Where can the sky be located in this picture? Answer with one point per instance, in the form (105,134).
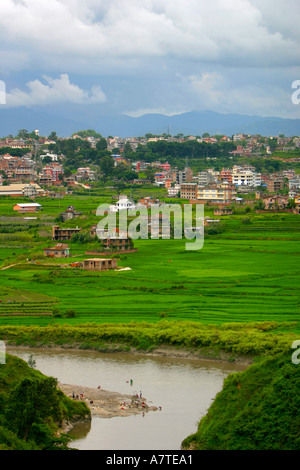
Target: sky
(151,56)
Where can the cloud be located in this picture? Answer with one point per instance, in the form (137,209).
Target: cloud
(232,32)
(218,92)
(161,110)
(153,55)
(54,91)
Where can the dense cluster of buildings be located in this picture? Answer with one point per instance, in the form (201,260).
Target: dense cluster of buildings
(223,186)
(16,169)
(24,177)
(246,144)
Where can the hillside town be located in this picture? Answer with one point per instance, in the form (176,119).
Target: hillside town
(30,166)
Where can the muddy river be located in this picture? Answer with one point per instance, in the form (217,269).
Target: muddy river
(181,389)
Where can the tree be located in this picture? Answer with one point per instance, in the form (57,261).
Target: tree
(101,144)
(88,133)
(47,159)
(31,402)
(53,147)
(53,136)
(31,361)
(33,136)
(150,172)
(106,165)
(127,150)
(67,172)
(272,143)
(23,134)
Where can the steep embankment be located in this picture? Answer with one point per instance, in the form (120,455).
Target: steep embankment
(257,410)
(33,411)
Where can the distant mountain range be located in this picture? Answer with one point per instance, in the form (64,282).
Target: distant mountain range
(69,121)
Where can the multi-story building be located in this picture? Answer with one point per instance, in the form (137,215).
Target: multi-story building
(184,176)
(173,191)
(275,184)
(50,173)
(297,204)
(189,191)
(294,183)
(148,202)
(275,202)
(22,190)
(116,244)
(225,175)
(222,193)
(85,174)
(205,178)
(58,251)
(63,233)
(245,177)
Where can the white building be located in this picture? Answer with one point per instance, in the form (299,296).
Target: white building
(295,183)
(123,204)
(242,177)
(174,190)
(53,156)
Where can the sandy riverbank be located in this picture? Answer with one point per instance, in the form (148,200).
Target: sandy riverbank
(107,404)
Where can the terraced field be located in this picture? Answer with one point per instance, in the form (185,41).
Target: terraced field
(250,272)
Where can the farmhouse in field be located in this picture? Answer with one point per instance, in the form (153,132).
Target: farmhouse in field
(113,241)
(148,202)
(99,264)
(27,207)
(223,211)
(116,244)
(58,251)
(70,213)
(63,233)
(123,204)
(208,221)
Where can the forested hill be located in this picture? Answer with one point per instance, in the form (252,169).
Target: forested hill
(257,410)
(33,409)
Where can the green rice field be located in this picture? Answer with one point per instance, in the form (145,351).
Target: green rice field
(248,273)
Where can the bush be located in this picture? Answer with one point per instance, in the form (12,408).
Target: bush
(246,221)
(71,313)
(56,313)
(214,229)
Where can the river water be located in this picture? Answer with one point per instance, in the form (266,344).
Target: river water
(183,388)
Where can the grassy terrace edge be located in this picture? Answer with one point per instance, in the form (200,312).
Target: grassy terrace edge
(232,339)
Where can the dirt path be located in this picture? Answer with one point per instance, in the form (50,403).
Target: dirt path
(105,403)
(6,267)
